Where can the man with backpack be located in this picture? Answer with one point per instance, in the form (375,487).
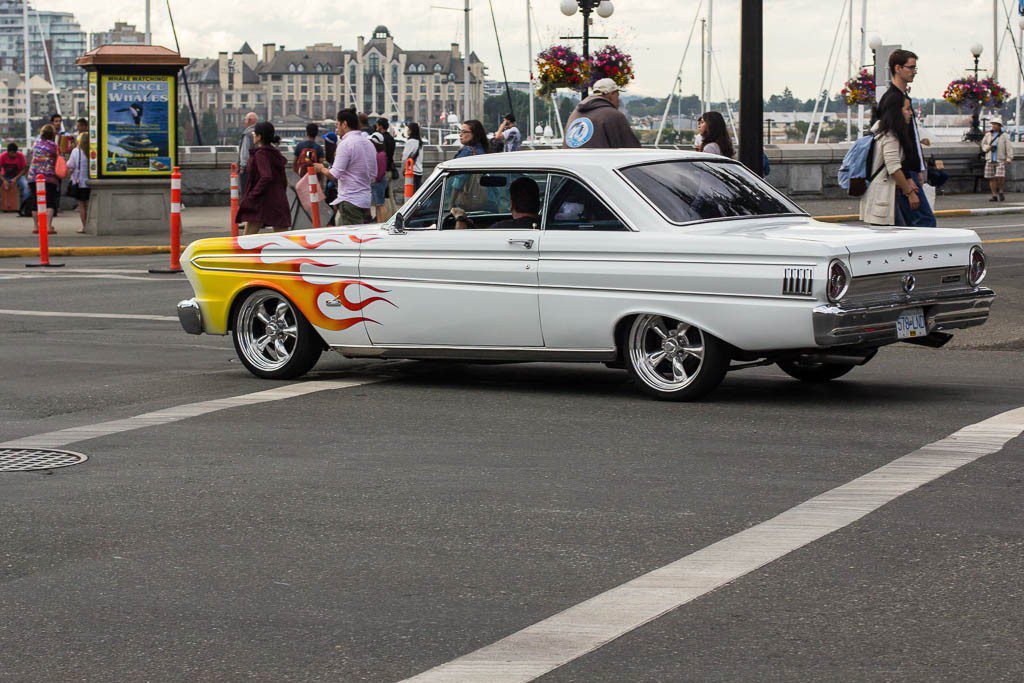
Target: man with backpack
(308,152)
(902,72)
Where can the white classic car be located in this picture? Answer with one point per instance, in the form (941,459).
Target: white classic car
(676,266)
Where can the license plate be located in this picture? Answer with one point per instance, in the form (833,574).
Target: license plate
(911,324)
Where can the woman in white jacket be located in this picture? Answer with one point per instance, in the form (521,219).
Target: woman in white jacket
(893,135)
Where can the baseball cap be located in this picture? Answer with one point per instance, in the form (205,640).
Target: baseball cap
(606,86)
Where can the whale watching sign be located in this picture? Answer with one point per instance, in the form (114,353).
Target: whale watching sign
(139,124)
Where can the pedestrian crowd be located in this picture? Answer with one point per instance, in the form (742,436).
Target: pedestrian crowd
(57,155)
(355,165)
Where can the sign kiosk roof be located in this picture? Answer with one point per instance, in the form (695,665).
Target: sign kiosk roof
(133,56)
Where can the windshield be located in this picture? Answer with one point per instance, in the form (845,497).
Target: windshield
(688,191)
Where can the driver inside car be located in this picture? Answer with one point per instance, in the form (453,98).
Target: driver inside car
(524,200)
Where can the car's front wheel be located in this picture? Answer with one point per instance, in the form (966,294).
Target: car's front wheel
(272,337)
(672,360)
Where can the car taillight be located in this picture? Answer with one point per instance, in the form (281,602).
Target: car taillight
(978,266)
(838,281)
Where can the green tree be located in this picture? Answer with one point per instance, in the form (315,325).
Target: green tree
(208,128)
(497,106)
(186,133)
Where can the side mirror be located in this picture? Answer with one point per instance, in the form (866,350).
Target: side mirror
(398,225)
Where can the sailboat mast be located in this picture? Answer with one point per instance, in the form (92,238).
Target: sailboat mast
(28,74)
(466,114)
(529,56)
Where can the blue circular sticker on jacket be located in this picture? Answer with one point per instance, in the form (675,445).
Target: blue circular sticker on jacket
(579,132)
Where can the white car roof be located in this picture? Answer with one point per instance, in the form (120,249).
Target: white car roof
(574,159)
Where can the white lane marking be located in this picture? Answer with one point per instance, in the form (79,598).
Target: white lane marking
(79,314)
(72,276)
(105,271)
(557,640)
(72,435)
(991,227)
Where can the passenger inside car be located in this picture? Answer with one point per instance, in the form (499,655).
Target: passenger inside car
(523,199)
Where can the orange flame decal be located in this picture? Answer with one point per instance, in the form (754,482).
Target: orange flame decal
(323,303)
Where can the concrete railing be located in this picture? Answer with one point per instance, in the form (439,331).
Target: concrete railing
(808,171)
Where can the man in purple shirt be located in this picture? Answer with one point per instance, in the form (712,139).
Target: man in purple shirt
(355,168)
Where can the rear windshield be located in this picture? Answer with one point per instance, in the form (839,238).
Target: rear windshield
(687,191)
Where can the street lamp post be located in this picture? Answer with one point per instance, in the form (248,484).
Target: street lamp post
(752,85)
(1020,58)
(604,9)
(975,134)
(875,44)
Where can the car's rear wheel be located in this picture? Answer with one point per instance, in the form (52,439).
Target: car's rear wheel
(272,337)
(808,371)
(672,360)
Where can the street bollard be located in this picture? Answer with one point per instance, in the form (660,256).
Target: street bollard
(314,198)
(43,224)
(234,200)
(410,189)
(175,225)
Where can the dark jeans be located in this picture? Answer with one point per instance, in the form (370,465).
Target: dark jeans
(353,215)
(921,217)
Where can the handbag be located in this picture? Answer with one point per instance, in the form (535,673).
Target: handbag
(472,196)
(72,190)
(60,168)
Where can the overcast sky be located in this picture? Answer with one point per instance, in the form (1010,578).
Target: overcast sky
(798,34)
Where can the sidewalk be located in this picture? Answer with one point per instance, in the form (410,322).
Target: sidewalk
(196,223)
(851,205)
(212,221)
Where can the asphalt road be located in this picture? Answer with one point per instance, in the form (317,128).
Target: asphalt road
(376,531)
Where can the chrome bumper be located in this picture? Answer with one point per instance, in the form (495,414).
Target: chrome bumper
(836,324)
(190,316)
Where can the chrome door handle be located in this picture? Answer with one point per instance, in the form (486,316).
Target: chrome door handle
(525,244)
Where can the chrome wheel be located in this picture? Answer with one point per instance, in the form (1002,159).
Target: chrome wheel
(667,355)
(266,330)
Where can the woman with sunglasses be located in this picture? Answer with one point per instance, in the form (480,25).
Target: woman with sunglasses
(467,194)
(473,138)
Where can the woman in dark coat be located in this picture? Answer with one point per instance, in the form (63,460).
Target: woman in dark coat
(265,202)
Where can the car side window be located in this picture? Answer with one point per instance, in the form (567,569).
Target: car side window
(424,216)
(572,206)
(489,200)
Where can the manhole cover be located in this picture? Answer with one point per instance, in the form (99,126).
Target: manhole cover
(27,459)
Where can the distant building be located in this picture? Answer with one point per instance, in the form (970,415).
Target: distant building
(293,87)
(58,33)
(12,103)
(123,33)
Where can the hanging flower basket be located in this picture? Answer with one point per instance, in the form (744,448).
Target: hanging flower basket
(610,62)
(860,89)
(560,67)
(970,91)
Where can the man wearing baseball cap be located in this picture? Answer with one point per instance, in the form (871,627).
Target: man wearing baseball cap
(597,123)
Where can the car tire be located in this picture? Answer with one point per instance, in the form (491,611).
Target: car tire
(272,338)
(672,360)
(814,372)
